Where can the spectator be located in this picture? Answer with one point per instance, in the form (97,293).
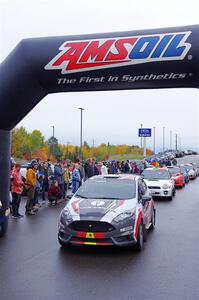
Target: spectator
(54,193)
(16,189)
(89,169)
(66,180)
(31,181)
(59,177)
(75,178)
(45,185)
(104,170)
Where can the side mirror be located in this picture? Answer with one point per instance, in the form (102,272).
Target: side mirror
(145,199)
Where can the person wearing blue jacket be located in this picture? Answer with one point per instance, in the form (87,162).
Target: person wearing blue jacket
(59,177)
(76,179)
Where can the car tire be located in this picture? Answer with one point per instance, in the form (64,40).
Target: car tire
(153,220)
(140,241)
(64,245)
(170,198)
(3,227)
(174,193)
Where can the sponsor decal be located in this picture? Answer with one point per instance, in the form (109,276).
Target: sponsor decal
(86,55)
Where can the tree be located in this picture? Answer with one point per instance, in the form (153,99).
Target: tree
(20,143)
(36,140)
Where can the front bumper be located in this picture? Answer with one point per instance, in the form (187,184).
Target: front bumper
(163,193)
(113,238)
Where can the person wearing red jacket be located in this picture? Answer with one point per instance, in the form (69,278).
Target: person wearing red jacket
(16,189)
(54,193)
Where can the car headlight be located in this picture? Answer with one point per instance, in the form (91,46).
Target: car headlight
(166,186)
(124,215)
(0,204)
(66,215)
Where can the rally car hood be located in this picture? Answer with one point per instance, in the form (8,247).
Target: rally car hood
(98,209)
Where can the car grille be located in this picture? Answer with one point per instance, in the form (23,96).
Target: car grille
(75,239)
(93,226)
(154,187)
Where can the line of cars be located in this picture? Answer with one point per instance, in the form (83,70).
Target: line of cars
(118,210)
(163,182)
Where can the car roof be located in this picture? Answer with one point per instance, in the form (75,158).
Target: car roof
(157,169)
(118,177)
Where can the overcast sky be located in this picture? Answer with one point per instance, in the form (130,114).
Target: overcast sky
(112,116)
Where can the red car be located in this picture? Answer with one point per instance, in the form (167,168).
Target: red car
(178,177)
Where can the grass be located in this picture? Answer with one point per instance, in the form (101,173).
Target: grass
(129,156)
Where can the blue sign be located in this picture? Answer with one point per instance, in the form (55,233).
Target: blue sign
(144,132)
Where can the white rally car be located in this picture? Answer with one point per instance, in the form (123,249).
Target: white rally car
(159,182)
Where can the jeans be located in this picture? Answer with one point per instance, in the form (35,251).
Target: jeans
(62,190)
(16,199)
(65,189)
(75,186)
(30,198)
(44,190)
(36,197)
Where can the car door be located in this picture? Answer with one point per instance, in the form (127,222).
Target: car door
(147,207)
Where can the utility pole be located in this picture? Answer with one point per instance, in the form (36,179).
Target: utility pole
(53,145)
(170,139)
(154,139)
(81,116)
(141,125)
(176,142)
(179,142)
(163,142)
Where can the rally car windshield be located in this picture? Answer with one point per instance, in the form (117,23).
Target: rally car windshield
(174,170)
(156,174)
(108,189)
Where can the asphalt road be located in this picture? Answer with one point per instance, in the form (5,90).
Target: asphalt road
(33,266)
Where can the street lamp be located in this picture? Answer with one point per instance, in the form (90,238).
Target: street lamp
(163,142)
(141,125)
(53,127)
(81,113)
(170,139)
(154,139)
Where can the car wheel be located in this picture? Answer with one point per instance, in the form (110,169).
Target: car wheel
(153,219)
(3,227)
(64,245)
(140,240)
(170,198)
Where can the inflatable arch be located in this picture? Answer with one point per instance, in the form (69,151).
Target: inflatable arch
(158,58)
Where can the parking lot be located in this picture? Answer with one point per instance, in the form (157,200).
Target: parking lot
(33,266)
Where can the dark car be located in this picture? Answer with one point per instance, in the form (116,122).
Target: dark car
(112,210)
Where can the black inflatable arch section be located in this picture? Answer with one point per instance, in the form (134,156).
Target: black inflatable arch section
(158,58)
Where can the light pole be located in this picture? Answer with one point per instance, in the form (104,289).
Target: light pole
(53,127)
(154,139)
(81,115)
(176,142)
(170,139)
(163,142)
(141,125)
(179,142)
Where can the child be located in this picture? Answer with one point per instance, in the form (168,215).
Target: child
(54,193)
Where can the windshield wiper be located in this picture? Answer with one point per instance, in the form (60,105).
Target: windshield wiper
(106,198)
(80,196)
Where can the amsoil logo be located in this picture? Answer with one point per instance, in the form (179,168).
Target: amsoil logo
(86,55)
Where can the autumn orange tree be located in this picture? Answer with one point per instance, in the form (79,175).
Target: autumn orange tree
(29,145)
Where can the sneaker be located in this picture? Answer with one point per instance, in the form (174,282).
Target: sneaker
(15,217)
(20,216)
(43,202)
